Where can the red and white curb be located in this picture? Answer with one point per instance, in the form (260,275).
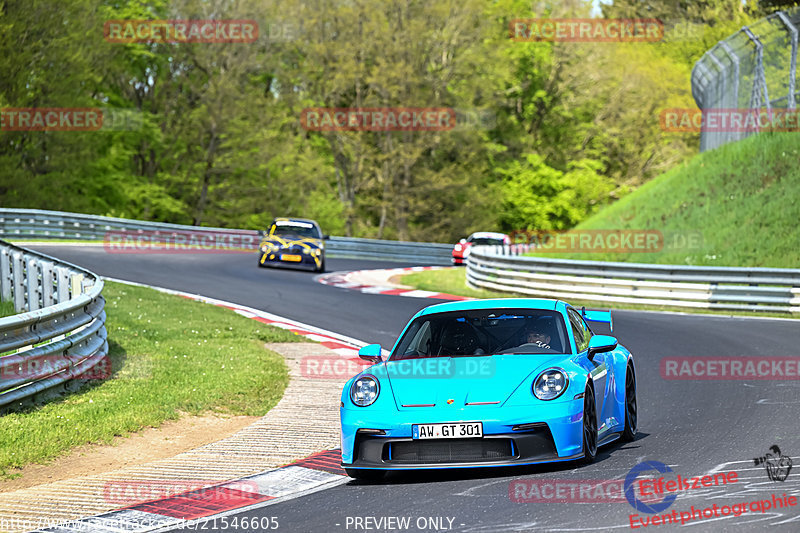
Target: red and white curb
(359,280)
(341,344)
(317,472)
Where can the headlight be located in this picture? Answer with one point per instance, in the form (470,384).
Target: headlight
(316,251)
(458,247)
(364,391)
(550,384)
(306,251)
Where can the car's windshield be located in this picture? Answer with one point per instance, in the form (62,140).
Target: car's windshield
(297,229)
(483,332)
(486,241)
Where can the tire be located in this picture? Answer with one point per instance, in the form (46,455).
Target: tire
(631,407)
(364,475)
(321,266)
(589,431)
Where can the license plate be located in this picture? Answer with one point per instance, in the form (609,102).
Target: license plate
(453,430)
(290,257)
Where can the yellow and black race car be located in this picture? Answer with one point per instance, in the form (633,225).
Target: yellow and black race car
(293,241)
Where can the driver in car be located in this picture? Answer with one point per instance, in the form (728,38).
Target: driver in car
(534,336)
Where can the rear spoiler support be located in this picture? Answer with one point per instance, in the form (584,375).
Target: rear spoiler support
(598,316)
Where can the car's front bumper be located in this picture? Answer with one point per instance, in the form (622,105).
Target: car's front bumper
(552,432)
(275,257)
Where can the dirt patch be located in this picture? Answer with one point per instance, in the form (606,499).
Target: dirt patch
(397,281)
(171,438)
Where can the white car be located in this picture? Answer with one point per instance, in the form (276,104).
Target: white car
(479,238)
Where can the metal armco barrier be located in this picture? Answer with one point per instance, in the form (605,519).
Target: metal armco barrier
(497,268)
(38,224)
(746,289)
(59,334)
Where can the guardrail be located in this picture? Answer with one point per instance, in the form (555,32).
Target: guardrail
(41,224)
(59,334)
(745,289)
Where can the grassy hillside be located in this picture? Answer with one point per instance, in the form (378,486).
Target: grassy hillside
(742,199)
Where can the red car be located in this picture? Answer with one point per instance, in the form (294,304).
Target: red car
(479,238)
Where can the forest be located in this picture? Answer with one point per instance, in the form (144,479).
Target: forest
(540,134)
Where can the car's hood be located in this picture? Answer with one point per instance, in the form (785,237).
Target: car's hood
(480,380)
(287,241)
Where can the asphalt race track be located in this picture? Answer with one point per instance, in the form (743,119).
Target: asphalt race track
(693,426)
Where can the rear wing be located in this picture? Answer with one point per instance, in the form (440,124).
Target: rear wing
(598,316)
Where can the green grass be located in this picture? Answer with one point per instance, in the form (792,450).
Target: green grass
(6,309)
(170,356)
(447,280)
(744,198)
(454,281)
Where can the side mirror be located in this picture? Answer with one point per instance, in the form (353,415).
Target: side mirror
(601,344)
(326,237)
(371,353)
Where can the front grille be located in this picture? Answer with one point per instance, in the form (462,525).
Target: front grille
(448,451)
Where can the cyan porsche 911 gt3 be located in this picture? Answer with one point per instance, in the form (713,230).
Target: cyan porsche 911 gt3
(293,241)
(489,383)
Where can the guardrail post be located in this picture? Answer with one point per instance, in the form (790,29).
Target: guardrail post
(5,275)
(62,283)
(33,273)
(76,282)
(18,281)
(48,297)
